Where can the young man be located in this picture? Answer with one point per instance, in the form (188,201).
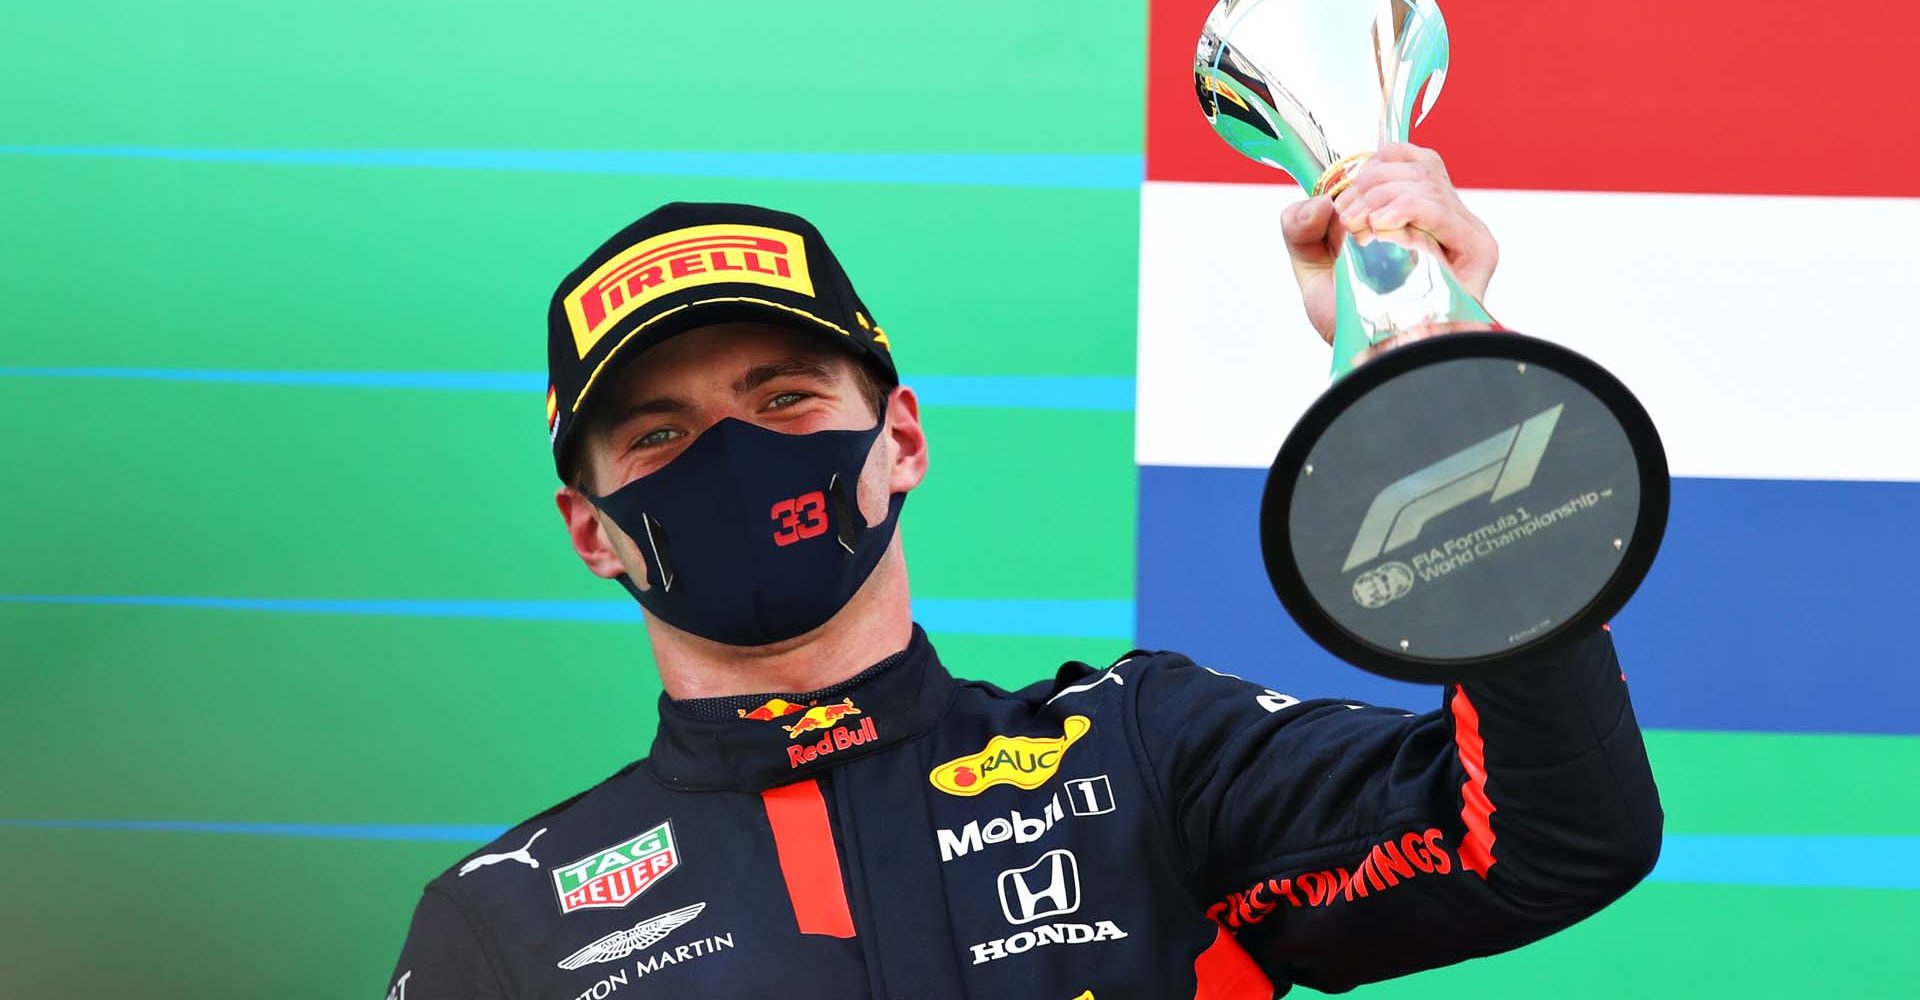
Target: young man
(826,813)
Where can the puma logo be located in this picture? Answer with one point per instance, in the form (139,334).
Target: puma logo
(520,855)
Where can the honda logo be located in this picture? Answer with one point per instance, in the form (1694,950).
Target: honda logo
(1047,888)
(1502,465)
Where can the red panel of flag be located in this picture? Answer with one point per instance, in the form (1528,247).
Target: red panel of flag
(1749,97)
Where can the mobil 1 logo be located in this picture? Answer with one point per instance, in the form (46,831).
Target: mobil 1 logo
(1078,797)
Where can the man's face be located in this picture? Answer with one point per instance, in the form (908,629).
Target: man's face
(764,374)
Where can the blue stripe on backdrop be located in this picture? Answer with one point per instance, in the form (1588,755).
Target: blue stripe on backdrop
(1043,392)
(527,383)
(1774,606)
(1105,171)
(1821,862)
(318,831)
(1860,862)
(1089,619)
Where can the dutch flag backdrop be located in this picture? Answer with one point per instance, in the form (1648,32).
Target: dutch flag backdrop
(1714,201)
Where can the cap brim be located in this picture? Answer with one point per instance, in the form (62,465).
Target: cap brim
(693,315)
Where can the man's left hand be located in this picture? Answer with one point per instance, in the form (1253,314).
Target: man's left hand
(1400,186)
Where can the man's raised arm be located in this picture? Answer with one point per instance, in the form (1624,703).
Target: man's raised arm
(1343,844)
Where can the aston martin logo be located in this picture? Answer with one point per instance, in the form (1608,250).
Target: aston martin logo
(644,934)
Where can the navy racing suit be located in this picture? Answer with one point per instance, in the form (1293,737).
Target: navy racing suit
(1153,829)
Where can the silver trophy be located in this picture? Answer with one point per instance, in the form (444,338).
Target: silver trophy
(1455,504)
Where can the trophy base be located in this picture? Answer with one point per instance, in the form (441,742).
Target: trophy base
(1460,505)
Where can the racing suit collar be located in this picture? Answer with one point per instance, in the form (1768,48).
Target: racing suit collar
(751,744)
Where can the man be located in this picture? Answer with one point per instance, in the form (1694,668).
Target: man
(827,813)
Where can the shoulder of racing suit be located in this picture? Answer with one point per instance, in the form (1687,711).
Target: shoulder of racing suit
(514,835)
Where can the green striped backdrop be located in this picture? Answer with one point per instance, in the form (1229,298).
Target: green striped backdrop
(166,488)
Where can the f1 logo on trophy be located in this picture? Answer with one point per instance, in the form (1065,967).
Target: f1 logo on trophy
(1453,504)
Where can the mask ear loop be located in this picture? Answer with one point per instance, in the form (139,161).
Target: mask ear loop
(842,512)
(656,551)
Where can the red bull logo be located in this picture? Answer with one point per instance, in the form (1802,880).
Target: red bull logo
(834,738)
(821,717)
(682,259)
(775,708)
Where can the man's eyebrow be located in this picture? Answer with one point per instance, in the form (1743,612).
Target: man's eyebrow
(749,380)
(659,404)
(760,375)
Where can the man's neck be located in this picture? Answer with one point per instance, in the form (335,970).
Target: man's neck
(875,624)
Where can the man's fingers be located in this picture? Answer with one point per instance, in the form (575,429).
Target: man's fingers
(1304,225)
(1356,215)
(1416,202)
(1408,153)
(1417,207)
(1372,176)
(1466,241)
(1384,190)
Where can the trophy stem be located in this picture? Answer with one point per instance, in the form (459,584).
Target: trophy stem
(1392,284)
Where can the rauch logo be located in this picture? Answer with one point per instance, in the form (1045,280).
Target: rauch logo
(1021,761)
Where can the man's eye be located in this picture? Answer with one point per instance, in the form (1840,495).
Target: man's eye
(654,439)
(787,399)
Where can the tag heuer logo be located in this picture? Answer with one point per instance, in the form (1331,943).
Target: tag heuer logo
(614,876)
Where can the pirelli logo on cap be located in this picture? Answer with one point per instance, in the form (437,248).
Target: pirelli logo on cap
(682,259)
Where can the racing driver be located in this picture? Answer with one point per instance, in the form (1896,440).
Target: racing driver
(827,814)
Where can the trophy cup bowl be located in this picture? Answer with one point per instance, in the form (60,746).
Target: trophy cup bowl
(1463,497)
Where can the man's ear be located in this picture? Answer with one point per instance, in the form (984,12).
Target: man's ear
(588,534)
(909,440)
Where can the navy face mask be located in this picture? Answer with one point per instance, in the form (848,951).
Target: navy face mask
(752,536)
